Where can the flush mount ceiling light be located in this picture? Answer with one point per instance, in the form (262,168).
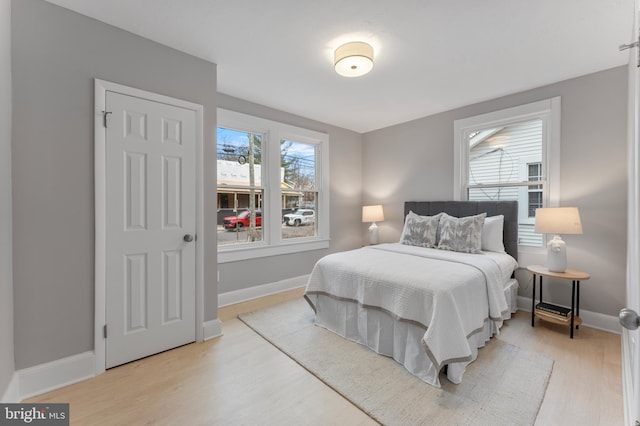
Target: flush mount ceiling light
(353,59)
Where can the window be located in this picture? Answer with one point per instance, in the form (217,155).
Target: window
(511,154)
(240,191)
(299,202)
(271,180)
(534,199)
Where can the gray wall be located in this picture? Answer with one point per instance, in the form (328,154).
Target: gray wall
(6,279)
(345,174)
(56,56)
(414,161)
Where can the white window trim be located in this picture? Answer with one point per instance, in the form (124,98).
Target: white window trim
(275,132)
(548,111)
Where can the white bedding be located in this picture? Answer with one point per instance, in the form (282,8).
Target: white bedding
(447,303)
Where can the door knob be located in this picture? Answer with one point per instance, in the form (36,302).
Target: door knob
(188,238)
(629,319)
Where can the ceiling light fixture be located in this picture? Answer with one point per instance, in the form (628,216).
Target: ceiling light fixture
(353,59)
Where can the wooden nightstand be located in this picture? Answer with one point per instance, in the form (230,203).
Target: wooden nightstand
(554,313)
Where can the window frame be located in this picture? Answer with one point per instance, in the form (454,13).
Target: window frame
(272,243)
(548,111)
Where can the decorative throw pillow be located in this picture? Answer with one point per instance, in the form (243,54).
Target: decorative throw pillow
(461,234)
(420,230)
(492,234)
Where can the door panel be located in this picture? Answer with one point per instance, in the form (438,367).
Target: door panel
(151,205)
(135,187)
(136,290)
(172,192)
(172,286)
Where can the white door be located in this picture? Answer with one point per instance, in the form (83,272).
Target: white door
(631,334)
(150,227)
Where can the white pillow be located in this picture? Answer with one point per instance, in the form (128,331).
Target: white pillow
(420,230)
(492,232)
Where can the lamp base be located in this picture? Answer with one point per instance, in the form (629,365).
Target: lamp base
(557,255)
(373,234)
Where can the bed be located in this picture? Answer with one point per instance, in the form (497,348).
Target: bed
(426,302)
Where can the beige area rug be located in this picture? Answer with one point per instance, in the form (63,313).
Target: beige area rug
(504,386)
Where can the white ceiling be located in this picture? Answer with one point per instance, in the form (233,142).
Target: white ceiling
(430,55)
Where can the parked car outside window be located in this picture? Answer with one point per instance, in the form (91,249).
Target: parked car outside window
(300,217)
(241,220)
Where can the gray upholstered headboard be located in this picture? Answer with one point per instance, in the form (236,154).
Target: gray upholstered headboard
(469,208)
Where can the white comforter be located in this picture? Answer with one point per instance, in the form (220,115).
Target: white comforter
(450,294)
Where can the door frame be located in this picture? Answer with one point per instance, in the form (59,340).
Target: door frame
(100,90)
(630,361)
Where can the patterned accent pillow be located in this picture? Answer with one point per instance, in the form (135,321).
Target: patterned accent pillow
(461,234)
(420,230)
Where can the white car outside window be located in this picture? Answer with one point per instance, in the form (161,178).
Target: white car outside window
(300,217)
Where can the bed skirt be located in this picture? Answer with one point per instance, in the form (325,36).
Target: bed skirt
(399,339)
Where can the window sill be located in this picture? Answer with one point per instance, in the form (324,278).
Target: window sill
(245,253)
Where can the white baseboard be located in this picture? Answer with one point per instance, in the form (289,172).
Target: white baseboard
(237,296)
(212,329)
(52,375)
(11,395)
(590,319)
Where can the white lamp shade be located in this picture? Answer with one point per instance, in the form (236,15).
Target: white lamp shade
(372,213)
(353,59)
(558,220)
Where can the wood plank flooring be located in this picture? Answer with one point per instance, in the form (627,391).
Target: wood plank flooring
(240,379)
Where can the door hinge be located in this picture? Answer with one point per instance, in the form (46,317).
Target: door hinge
(631,46)
(104,117)
(104,331)
(624,46)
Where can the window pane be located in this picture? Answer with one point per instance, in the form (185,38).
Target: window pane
(299,214)
(298,162)
(535,192)
(526,230)
(299,201)
(239,156)
(535,171)
(535,202)
(494,154)
(509,154)
(236,223)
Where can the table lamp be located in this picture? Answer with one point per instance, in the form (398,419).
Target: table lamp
(373,214)
(557,220)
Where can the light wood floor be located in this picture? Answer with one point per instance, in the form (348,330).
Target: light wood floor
(240,379)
